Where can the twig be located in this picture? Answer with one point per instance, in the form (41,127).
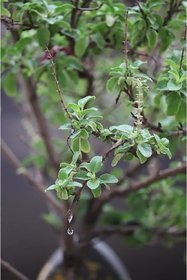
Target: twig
(29,90)
(13,271)
(96,205)
(133,187)
(90,9)
(17,164)
(58,86)
(125,42)
(125,229)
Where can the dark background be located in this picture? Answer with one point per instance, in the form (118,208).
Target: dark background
(27,241)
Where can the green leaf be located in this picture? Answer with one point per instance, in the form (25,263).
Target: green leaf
(145,149)
(110,20)
(112,84)
(64,8)
(82,102)
(66,126)
(22,43)
(141,157)
(116,159)
(52,187)
(84,145)
(96,192)
(181,114)
(151,37)
(43,35)
(99,40)
(75,184)
(108,179)
(5,12)
(81,46)
(93,184)
(82,175)
(75,144)
(9,84)
(172,86)
(124,128)
(96,164)
(64,194)
(173,103)
(84,134)
(74,107)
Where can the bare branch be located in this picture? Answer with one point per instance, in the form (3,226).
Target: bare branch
(17,164)
(133,187)
(13,271)
(58,86)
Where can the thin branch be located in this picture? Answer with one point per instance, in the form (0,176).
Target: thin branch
(13,271)
(95,206)
(125,229)
(58,86)
(125,42)
(30,91)
(133,187)
(17,164)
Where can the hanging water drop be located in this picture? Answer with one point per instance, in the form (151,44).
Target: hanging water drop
(70,216)
(70,231)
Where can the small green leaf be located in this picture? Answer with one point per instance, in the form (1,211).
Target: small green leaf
(123,128)
(141,157)
(145,149)
(84,145)
(52,187)
(9,84)
(5,12)
(173,86)
(64,8)
(116,159)
(93,184)
(112,84)
(64,194)
(99,40)
(110,20)
(43,35)
(74,184)
(108,179)
(151,37)
(84,134)
(81,45)
(75,144)
(96,164)
(96,192)
(173,103)
(66,126)
(82,102)
(74,107)
(82,175)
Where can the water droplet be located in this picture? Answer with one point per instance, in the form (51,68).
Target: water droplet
(70,231)
(70,216)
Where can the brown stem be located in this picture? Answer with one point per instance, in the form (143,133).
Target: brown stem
(30,91)
(58,86)
(96,205)
(13,271)
(17,164)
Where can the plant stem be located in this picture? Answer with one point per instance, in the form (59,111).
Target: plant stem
(13,271)
(17,164)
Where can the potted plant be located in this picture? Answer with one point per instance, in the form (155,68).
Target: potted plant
(102,87)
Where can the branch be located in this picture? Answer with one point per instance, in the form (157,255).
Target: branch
(125,229)
(58,86)
(133,187)
(95,206)
(17,164)
(13,271)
